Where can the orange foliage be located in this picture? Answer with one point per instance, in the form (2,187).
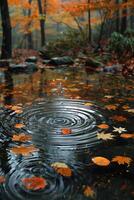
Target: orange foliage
(121,160)
(34,183)
(101,161)
(24,150)
(21,138)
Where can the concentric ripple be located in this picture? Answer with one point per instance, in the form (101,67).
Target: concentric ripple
(45,121)
(57,186)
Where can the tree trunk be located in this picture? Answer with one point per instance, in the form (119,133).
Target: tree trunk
(29,35)
(124,19)
(89,23)
(6,49)
(42,21)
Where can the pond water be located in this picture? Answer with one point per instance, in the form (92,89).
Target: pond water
(66,135)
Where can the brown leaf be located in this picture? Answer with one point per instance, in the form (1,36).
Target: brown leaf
(119,118)
(34,183)
(121,160)
(21,138)
(2,179)
(62,169)
(24,150)
(101,161)
(111,107)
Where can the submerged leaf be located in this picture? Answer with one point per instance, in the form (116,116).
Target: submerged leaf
(121,160)
(2,179)
(24,150)
(34,183)
(88,192)
(101,161)
(111,107)
(119,118)
(62,169)
(19,126)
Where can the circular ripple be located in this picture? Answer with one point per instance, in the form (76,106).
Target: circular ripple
(45,120)
(57,188)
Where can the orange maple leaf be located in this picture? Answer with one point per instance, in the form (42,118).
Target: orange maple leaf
(101,161)
(103,126)
(66,131)
(19,126)
(88,191)
(34,183)
(119,118)
(21,138)
(24,150)
(121,160)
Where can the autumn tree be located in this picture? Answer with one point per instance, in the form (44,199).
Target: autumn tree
(6,50)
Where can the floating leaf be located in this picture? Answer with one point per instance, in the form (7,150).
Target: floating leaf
(88,104)
(62,169)
(119,130)
(88,192)
(111,107)
(17,109)
(103,126)
(21,138)
(34,183)
(105,136)
(101,161)
(66,131)
(121,160)
(24,150)
(2,179)
(119,118)
(127,135)
(19,126)
(125,107)
(130,110)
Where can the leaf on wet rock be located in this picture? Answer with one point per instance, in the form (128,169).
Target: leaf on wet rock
(2,179)
(21,138)
(88,191)
(111,107)
(101,161)
(62,169)
(66,131)
(119,118)
(103,126)
(119,130)
(127,135)
(24,150)
(19,125)
(105,136)
(121,160)
(34,183)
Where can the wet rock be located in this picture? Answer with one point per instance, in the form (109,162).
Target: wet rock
(45,53)
(32,59)
(112,69)
(65,60)
(23,67)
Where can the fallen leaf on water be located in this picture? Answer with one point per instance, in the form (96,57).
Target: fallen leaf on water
(130,110)
(62,169)
(105,136)
(34,183)
(24,150)
(88,104)
(111,107)
(19,126)
(127,135)
(119,130)
(103,126)
(88,191)
(121,160)
(101,161)
(125,107)
(2,179)
(21,138)
(119,118)
(66,131)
